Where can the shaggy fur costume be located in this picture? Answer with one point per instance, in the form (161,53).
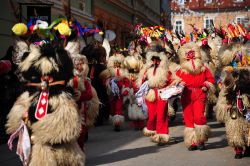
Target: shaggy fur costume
(157,73)
(237,127)
(227,54)
(209,56)
(116,71)
(54,135)
(198,79)
(134,63)
(85,88)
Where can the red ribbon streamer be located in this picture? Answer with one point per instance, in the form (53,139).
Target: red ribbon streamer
(156,63)
(118,72)
(191,55)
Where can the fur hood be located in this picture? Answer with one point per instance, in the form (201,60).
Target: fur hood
(156,51)
(157,65)
(116,58)
(212,53)
(84,61)
(228,52)
(46,61)
(115,65)
(133,62)
(190,58)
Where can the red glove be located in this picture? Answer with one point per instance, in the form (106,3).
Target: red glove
(125,93)
(5,66)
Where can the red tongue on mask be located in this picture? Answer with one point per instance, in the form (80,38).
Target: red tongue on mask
(191,55)
(156,63)
(118,72)
(240,104)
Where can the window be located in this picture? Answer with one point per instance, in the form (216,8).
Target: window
(238,0)
(209,22)
(82,5)
(78,5)
(181,2)
(208,1)
(178,26)
(239,19)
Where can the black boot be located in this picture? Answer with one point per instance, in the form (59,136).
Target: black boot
(202,147)
(238,152)
(238,156)
(247,152)
(117,128)
(172,118)
(192,148)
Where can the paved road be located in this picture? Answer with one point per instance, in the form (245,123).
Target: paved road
(129,147)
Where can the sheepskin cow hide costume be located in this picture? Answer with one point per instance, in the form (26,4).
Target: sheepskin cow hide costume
(134,64)
(209,56)
(229,55)
(116,79)
(85,95)
(82,85)
(233,102)
(48,107)
(237,95)
(198,79)
(156,72)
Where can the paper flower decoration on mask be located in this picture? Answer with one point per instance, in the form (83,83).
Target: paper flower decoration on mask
(63,28)
(236,31)
(20,29)
(147,34)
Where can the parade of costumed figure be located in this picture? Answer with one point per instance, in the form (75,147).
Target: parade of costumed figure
(115,78)
(134,63)
(85,95)
(174,61)
(197,79)
(158,76)
(234,96)
(225,64)
(209,56)
(227,61)
(47,80)
(45,116)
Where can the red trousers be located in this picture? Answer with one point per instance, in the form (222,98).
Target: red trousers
(157,116)
(193,104)
(84,129)
(116,106)
(82,138)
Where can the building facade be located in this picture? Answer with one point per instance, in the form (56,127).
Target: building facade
(166,13)
(11,13)
(116,15)
(121,15)
(204,13)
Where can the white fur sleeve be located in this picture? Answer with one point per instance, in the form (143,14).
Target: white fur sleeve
(16,113)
